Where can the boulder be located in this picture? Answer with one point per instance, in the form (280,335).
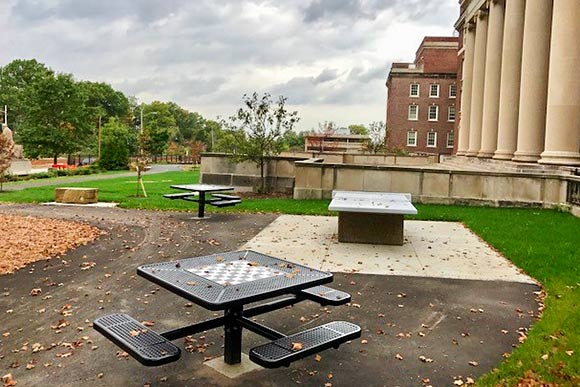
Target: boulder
(72,195)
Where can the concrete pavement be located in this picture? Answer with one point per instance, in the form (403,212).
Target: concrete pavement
(417,331)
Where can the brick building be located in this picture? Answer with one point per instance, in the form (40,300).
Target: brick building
(422,99)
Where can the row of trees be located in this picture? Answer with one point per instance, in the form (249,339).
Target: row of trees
(52,114)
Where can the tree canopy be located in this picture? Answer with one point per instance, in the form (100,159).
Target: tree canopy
(259,126)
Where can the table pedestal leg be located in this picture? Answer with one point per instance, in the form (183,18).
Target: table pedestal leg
(201,206)
(233,336)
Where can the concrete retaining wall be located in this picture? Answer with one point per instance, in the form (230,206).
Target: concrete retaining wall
(222,169)
(431,185)
(365,159)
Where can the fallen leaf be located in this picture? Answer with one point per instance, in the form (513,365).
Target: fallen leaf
(35,292)
(297,346)
(8,380)
(317,357)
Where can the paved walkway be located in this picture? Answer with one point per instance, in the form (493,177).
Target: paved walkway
(158,168)
(417,331)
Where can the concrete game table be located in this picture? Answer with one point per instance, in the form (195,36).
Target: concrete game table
(371,217)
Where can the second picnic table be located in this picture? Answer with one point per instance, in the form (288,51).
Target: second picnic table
(197,193)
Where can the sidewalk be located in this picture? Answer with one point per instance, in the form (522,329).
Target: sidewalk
(159,168)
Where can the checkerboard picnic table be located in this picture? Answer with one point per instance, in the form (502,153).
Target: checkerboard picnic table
(229,282)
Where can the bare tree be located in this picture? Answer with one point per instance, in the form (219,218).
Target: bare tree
(377,136)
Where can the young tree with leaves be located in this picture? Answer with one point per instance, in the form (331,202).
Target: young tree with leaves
(6,152)
(263,123)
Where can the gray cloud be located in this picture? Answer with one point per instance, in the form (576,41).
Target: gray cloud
(206,54)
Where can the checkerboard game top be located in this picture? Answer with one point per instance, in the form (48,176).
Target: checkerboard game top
(234,278)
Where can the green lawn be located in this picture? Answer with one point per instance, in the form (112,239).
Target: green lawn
(544,243)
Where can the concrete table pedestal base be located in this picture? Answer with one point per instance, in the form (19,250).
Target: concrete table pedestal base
(382,229)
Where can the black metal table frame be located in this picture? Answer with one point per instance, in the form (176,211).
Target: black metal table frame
(235,318)
(233,321)
(202,201)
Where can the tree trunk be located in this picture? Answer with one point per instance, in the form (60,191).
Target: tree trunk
(263,178)
(55,159)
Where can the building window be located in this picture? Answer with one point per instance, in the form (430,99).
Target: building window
(451,113)
(433,113)
(450,139)
(431,139)
(452,91)
(413,112)
(414,90)
(434,90)
(411,138)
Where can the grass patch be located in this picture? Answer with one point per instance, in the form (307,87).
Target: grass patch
(544,243)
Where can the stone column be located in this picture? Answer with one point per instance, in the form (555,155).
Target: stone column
(511,71)
(534,82)
(478,84)
(466,89)
(492,79)
(563,115)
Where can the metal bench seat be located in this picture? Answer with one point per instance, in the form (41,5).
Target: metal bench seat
(139,341)
(180,195)
(224,196)
(225,203)
(284,351)
(326,296)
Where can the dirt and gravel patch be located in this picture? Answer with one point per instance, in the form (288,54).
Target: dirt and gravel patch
(27,239)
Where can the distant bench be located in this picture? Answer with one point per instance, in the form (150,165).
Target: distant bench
(197,193)
(371,217)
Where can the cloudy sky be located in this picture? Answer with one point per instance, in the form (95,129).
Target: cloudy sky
(329,57)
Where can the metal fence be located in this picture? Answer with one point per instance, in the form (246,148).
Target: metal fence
(175,159)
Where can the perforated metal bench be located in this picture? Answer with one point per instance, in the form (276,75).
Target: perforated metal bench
(326,296)
(284,351)
(139,341)
(180,195)
(224,196)
(224,203)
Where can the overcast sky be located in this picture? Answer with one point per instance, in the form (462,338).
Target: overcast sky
(329,57)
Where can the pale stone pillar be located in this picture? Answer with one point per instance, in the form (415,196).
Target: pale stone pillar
(478,84)
(466,89)
(563,115)
(511,67)
(492,79)
(534,82)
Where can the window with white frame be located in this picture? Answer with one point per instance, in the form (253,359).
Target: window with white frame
(451,113)
(452,91)
(450,139)
(414,90)
(433,113)
(434,90)
(413,112)
(411,138)
(432,139)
